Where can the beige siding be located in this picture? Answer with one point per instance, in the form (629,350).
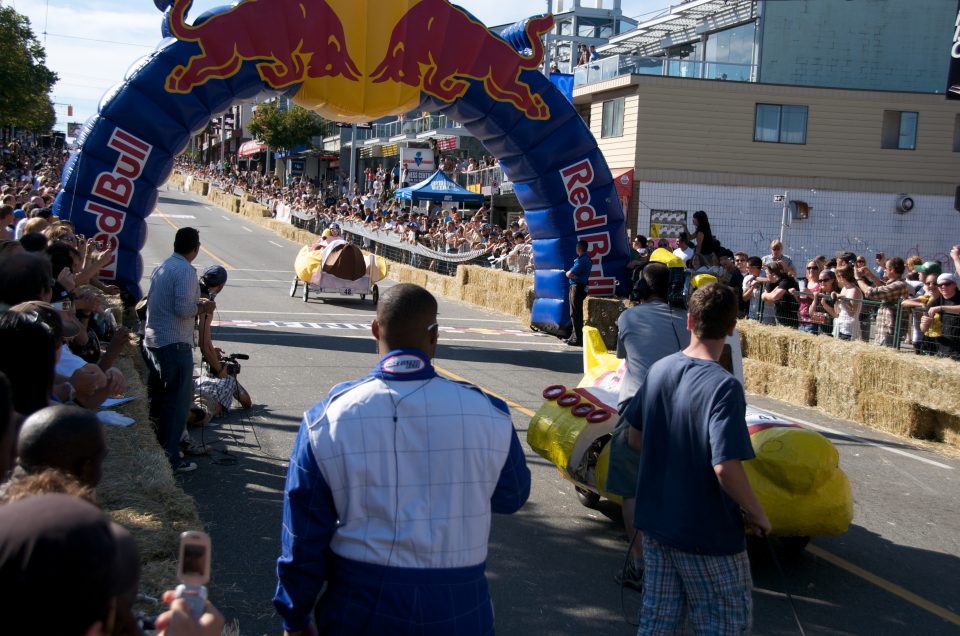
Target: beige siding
(620,152)
(707,127)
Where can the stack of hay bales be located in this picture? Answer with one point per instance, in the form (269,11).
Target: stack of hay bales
(139,490)
(889,390)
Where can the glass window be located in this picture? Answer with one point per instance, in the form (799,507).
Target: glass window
(781,123)
(611,124)
(899,130)
(956,137)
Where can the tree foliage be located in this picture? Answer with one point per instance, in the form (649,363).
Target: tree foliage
(25,98)
(284,129)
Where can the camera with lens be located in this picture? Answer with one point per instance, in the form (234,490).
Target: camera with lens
(230,362)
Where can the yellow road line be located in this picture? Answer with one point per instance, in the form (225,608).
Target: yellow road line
(817,551)
(886,585)
(510,403)
(202,248)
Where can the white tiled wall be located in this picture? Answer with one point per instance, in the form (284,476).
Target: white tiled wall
(747,219)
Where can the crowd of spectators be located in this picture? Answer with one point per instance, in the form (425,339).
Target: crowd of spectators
(896,302)
(443,230)
(59,343)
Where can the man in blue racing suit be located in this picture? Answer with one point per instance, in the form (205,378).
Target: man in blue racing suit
(390,490)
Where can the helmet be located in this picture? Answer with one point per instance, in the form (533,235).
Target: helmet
(665,256)
(700,280)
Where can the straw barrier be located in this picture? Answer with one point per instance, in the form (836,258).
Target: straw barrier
(138,488)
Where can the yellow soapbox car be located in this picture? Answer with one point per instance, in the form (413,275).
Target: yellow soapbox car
(795,474)
(326,270)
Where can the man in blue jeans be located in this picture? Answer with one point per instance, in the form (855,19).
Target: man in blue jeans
(168,338)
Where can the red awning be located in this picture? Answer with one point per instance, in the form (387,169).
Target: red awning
(623,180)
(250,148)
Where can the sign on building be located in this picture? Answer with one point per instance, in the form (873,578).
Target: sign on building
(418,162)
(953,78)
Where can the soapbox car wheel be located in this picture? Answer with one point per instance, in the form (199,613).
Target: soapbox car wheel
(375,294)
(792,545)
(293,287)
(306,293)
(587,497)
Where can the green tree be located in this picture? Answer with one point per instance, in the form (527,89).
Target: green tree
(284,129)
(26,81)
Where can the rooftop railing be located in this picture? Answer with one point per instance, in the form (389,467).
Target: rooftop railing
(619,65)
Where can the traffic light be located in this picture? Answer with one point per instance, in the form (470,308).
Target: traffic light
(69,110)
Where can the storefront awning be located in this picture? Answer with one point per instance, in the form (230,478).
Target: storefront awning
(250,148)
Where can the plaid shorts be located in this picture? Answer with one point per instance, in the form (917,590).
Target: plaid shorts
(717,590)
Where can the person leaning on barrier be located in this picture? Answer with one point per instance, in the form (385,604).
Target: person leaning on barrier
(781,291)
(948,308)
(926,328)
(889,292)
(390,489)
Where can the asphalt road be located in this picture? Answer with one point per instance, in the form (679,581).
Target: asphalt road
(551,565)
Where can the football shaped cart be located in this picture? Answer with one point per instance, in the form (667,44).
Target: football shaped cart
(317,271)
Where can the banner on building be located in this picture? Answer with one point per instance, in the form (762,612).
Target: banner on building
(953,78)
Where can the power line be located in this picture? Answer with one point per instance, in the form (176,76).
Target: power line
(77,37)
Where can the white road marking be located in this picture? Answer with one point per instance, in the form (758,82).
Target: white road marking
(314,313)
(246,228)
(164,215)
(369,336)
(225,218)
(274,243)
(861,440)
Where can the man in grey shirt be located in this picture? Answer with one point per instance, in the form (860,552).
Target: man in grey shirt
(646,333)
(168,341)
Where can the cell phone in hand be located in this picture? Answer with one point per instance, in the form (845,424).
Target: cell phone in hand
(193,570)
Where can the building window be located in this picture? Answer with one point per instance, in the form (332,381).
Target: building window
(956,135)
(612,124)
(780,123)
(899,130)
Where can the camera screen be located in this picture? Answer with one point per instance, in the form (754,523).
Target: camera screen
(194,557)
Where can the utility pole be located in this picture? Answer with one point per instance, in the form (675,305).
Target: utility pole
(353,158)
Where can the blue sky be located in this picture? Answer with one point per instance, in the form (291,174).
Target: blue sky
(92,43)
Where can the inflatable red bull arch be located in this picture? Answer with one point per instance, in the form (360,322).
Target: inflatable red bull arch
(353,60)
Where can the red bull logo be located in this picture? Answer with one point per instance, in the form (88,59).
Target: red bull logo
(419,55)
(296,38)
(305,41)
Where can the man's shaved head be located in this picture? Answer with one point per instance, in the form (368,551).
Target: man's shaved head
(406,315)
(65,437)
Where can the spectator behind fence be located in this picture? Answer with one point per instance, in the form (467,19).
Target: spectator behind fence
(926,330)
(809,288)
(846,312)
(67,438)
(889,292)
(948,308)
(753,289)
(824,302)
(776,255)
(704,243)
(29,354)
(8,428)
(780,293)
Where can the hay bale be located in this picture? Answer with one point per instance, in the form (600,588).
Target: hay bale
(897,415)
(948,427)
(836,391)
(782,383)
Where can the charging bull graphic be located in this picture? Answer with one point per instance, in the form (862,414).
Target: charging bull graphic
(227,40)
(352,61)
(419,55)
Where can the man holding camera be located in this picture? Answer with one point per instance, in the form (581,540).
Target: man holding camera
(214,391)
